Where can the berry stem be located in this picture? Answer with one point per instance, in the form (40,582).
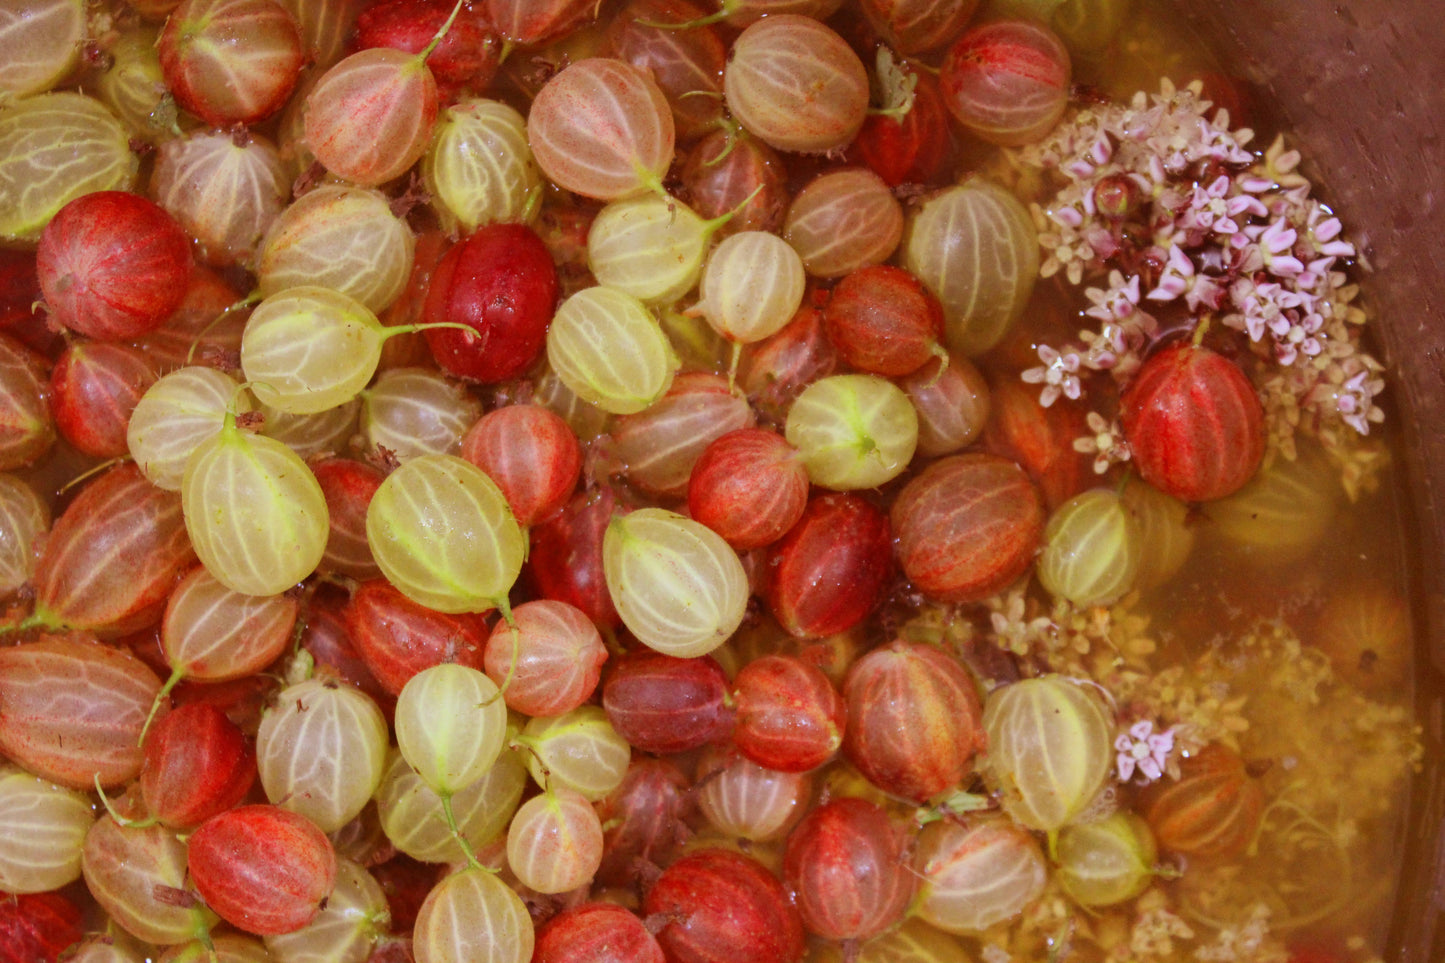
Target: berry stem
(177,674)
(245,302)
(441,34)
(467,850)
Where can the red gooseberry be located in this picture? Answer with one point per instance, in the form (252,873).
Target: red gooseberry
(828,572)
(1194,423)
(721,907)
(844,864)
(967,526)
(914,720)
(499,281)
(790,717)
(113,265)
(261,868)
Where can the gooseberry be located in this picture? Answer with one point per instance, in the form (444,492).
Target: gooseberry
(914,720)
(1007,81)
(967,526)
(1194,423)
(1049,749)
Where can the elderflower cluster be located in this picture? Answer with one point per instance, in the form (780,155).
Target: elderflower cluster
(1155,930)
(1197,707)
(1161,203)
(1247,942)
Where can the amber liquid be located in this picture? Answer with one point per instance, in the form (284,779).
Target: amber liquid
(1343,897)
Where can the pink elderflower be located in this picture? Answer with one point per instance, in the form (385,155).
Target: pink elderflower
(1164,200)
(1059,374)
(1105,442)
(1143,753)
(1116,302)
(1355,400)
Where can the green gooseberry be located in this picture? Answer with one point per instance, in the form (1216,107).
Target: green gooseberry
(1050,749)
(1166,536)
(1284,512)
(1091,549)
(1106,862)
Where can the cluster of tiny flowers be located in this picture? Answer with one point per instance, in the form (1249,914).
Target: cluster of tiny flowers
(1143,754)
(1105,442)
(1247,942)
(1229,235)
(1155,930)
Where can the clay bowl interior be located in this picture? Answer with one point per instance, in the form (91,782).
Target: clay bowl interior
(1361,86)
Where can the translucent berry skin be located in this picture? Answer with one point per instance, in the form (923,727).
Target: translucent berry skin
(596,933)
(531,454)
(558,658)
(113,265)
(197,765)
(829,571)
(72,709)
(912,26)
(796,85)
(645,819)
(468,56)
(37,927)
(500,281)
(397,637)
(663,704)
(967,526)
(844,864)
(119,515)
(348,486)
(1007,81)
(884,321)
(723,907)
(530,23)
(1040,439)
(231,61)
(566,556)
(1194,423)
(1212,810)
(263,869)
(94,386)
(790,717)
(371,116)
(723,170)
(601,128)
(749,487)
(913,150)
(775,371)
(681,61)
(914,720)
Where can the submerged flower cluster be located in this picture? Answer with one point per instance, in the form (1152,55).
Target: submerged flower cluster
(1159,203)
(1256,687)
(1250,940)
(1143,753)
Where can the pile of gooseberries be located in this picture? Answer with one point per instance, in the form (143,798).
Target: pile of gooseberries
(492,459)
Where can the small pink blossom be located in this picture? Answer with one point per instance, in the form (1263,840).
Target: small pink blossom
(1177,278)
(1106,443)
(1142,752)
(1250,246)
(1205,294)
(1068,216)
(1059,374)
(1356,401)
(1117,302)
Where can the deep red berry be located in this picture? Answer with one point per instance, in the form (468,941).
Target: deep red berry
(501,282)
(1194,423)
